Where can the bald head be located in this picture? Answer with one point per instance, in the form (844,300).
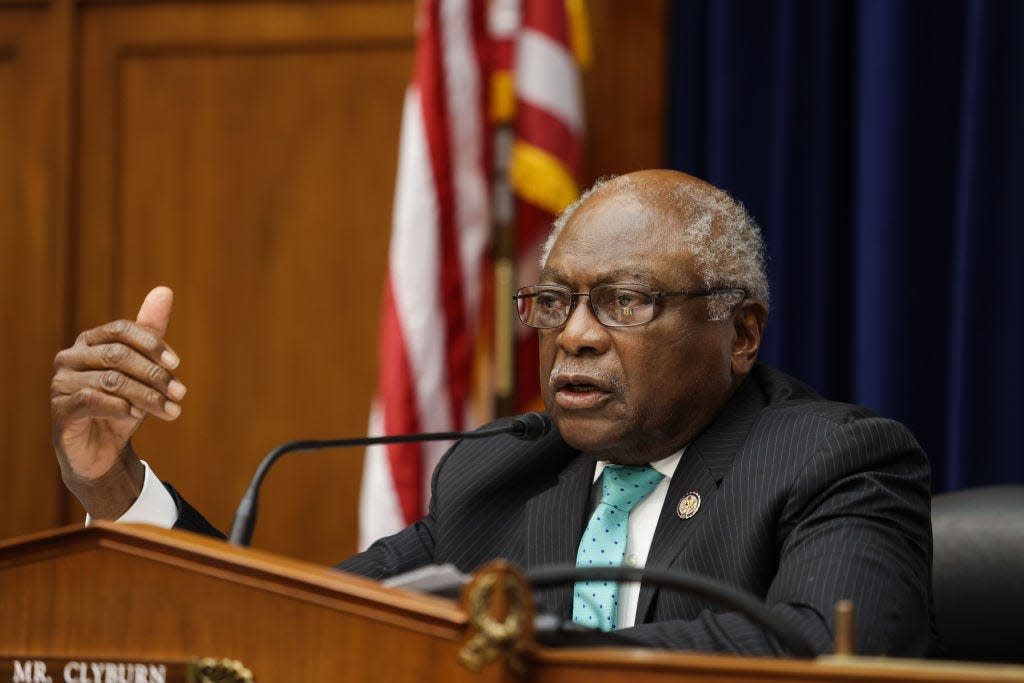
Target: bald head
(715,229)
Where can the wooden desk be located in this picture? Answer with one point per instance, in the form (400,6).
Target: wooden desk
(135,593)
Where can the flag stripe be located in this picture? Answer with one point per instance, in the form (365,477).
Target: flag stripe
(465,117)
(401,415)
(548,18)
(439,232)
(431,78)
(539,128)
(547,77)
(465,52)
(549,125)
(414,273)
(380,512)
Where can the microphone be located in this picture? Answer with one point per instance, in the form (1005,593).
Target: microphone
(528,427)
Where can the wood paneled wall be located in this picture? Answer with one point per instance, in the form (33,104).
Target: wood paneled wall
(243,153)
(34,229)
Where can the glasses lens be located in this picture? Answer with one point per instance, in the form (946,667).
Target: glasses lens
(623,305)
(544,306)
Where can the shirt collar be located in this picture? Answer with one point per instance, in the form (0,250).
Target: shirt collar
(666,466)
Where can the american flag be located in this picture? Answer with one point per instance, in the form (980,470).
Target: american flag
(441,220)
(547,155)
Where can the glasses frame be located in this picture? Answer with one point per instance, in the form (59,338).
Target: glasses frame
(656,295)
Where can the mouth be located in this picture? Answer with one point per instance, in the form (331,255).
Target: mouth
(580,392)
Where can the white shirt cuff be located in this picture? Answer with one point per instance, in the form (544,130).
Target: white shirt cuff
(153,506)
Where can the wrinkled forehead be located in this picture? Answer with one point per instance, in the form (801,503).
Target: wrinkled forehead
(616,234)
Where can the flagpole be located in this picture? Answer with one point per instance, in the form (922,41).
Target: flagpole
(504,274)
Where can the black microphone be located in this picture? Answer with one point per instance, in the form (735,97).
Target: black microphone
(529,427)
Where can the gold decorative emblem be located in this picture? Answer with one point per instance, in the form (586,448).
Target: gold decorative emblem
(688,505)
(211,670)
(501,618)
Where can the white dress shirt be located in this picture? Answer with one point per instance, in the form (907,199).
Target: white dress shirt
(153,506)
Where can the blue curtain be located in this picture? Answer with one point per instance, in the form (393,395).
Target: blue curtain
(880,145)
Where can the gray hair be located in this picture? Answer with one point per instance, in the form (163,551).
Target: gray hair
(725,242)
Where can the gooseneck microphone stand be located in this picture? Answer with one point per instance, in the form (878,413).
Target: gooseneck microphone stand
(529,426)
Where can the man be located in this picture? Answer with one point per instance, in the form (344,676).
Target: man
(650,309)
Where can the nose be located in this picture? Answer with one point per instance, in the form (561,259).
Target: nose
(582,332)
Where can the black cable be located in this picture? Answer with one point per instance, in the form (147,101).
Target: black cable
(777,625)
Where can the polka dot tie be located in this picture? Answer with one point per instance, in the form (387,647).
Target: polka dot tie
(595,603)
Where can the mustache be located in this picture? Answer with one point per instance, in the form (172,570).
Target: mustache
(601,377)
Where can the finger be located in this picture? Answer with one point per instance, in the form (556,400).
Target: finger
(119,385)
(155,312)
(133,335)
(116,356)
(89,404)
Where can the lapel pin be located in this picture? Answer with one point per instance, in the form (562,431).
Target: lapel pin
(688,505)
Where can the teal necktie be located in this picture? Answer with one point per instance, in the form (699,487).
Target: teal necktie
(595,603)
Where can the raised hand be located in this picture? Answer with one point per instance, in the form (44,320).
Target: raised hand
(102,389)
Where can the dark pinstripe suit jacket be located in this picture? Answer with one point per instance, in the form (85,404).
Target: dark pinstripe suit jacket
(804,502)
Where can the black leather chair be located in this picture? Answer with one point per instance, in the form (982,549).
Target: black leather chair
(978,578)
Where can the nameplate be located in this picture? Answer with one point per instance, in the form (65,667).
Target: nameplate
(29,669)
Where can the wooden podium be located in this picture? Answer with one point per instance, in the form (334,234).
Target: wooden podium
(143,595)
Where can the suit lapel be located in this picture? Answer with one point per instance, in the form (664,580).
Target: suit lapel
(555,519)
(701,470)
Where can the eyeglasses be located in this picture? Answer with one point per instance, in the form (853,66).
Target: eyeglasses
(615,305)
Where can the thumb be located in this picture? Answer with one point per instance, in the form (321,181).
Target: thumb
(155,312)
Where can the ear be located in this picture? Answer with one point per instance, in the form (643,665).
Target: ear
(749,320)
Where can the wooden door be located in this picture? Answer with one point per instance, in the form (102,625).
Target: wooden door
(244,154)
